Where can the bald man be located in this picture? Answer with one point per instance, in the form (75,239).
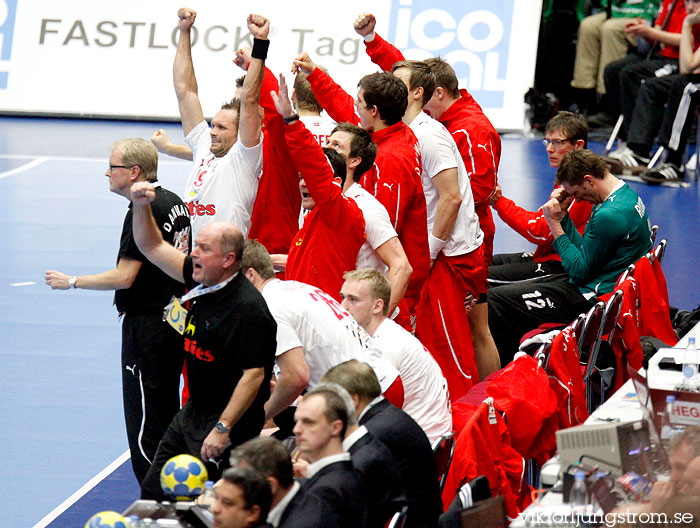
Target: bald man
(229,341)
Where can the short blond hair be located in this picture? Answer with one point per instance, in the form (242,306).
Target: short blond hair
(379,287)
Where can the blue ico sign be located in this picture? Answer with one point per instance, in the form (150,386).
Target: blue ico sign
(472,35)
(8,10)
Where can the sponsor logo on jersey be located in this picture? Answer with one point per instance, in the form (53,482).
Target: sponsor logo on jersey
(8,10)
(472,35)
(198,352)
(198,209)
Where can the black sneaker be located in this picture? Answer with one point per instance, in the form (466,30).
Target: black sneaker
(665,172)
(601,120)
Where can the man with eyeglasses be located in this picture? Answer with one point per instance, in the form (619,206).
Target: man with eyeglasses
(564,133)
(151,354)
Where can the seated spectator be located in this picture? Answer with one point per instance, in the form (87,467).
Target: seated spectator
(676,125)
(651,105)
(290,507)
(602,40)
(242,499)
(617,235)
(627,93)
(564,133)
(400,433)
(366,295)
(321,421)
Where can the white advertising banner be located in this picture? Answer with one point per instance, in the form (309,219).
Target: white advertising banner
(114,59)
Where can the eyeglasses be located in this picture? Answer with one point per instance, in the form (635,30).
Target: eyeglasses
(112,167)
(557,143)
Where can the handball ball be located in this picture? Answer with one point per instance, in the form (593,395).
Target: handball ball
(183,477)
(107,519)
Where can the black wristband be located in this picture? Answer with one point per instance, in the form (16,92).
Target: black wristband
(289,120)
(260,49)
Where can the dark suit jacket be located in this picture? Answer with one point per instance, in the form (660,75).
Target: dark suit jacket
(307,510)
(414,456)
(385,490)
(340,485)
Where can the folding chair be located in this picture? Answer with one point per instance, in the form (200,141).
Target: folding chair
(443,450)
(660,250)
(398,519)
(608,325)
(654,230)
(587,340)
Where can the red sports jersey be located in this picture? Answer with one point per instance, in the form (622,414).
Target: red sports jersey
(533,226)
(477,140)
(275,218)
(327,244)
(675,24)
(395,179)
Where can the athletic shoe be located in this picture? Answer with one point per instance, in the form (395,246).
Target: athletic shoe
(666,172)
(620,151)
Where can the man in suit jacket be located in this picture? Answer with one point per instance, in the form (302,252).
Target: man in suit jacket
(321,421)
(291,506)
(386,492)
(400,433)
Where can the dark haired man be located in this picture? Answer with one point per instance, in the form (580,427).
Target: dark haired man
(290,506)
(243,499)
(382,250)
(617,235)
(400,433)
(327,244)
(395,178)
(224,178)
(564,133)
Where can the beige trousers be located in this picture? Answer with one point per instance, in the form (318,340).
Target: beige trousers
(600,41)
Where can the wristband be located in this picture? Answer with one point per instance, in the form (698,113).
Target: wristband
(71,282)
(289,120)
(260,49)
(369,37)
(436,245)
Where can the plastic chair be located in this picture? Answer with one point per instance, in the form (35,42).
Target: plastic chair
(443,450)
(398,519)
(660,250)
(654,230)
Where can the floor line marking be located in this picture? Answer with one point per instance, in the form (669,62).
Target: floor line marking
(23,168)
(94,481)
(28,283)
(171,161)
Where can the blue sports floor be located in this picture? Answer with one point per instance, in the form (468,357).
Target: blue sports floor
(63,438)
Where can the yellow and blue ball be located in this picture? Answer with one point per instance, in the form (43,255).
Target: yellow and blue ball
(107,519)
(183,477)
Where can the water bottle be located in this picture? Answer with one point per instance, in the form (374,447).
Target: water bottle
(668,428)
(208,496)
(578,496)
(690,366)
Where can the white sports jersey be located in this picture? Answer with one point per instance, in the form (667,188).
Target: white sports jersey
(439,152)
(320,128)
(426,398)
(378,228)
(310,318)
(221,189)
